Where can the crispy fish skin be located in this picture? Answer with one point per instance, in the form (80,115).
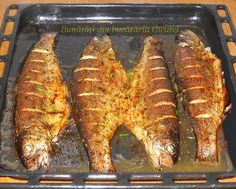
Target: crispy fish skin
(200,79)
(98,80)
(152,107)
(41,106)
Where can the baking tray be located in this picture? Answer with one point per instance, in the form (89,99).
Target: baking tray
(71,165)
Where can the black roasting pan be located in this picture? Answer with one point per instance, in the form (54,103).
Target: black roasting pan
(69,160)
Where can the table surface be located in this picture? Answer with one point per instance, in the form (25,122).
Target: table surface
(231,4)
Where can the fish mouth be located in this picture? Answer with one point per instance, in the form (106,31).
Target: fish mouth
(161,158)
(33,151)
(161,153)
(39,160)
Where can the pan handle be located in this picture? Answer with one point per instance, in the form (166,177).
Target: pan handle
(8,34)
(228,39)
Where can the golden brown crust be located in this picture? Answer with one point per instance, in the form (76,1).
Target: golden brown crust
(152,112)
(41,107)
(204,92)
(98,80)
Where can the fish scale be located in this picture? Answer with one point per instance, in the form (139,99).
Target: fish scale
(152,113)
(98,100)
(205,93)
(122,101)
(41,107)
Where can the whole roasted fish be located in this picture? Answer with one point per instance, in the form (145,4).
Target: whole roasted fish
(41,106)
(98,98)
(200,79)
(152,109)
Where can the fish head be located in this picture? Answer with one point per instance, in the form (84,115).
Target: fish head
(189,38)
(161,150)
(34,151)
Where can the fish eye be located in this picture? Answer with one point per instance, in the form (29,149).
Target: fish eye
(170,148)
(28,148)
